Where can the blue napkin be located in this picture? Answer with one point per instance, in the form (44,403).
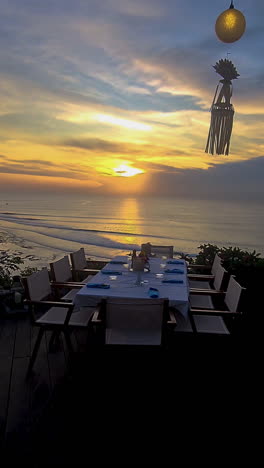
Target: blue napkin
(117,262)
(175,271)
(172,281)
(111,272)
(153,292)
(98,285)
(175,262)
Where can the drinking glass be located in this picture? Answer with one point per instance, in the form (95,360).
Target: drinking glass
(159,275)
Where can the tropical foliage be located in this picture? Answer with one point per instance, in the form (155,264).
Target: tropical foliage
(8,264)
(232,256)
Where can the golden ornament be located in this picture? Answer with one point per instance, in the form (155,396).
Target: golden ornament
(230,25)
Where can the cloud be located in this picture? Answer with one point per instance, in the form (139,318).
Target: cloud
(45,168)
(106,146)
(147,61)
(242,180)
(96,144)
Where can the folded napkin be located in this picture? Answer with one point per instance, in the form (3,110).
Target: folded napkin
(172,281)
(153,292)
(174,270)
(98,285)
(111,272)
(118,262)
(175,262)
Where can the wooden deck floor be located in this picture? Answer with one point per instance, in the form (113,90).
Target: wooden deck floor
(105,407)
(22,400)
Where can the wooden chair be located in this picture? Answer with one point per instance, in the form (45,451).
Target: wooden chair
(62,277)
(205,301)
(134,322)
(212,321)
(204,281)
(80,266)
(58,318)
(158,250)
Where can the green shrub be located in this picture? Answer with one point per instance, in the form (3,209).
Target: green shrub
(207,254)
(8,264)
(28,271)
(247,267)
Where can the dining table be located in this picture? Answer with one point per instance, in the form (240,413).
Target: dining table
(163,278)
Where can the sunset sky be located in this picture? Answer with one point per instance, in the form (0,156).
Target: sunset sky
(114,96)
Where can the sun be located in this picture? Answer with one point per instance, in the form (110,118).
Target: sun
(127,171)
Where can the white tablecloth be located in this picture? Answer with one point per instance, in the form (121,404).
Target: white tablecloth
(124,285)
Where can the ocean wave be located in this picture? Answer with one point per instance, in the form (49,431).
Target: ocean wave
(92,237)
(48,239)
(23,221)
(68,216)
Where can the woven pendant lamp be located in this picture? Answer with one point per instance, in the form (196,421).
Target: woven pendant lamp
(229,27)
(222,111)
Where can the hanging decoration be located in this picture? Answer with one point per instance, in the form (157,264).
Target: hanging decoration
(230,25)
(222,111)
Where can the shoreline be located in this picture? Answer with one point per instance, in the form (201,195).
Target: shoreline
(32,254)
(35,255)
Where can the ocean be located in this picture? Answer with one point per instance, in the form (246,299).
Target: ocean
(42,228)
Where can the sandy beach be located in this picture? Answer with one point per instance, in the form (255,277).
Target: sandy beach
(33,255)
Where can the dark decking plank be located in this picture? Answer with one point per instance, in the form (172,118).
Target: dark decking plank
(5,373)
(57,363)
(22,344)
(40,385)
(7,337)
(81,339)
(41,367)
(65,347)
(19,401)
(7,343)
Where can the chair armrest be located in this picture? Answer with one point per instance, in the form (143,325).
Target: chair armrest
(195,311)
(51,303)
(172,320)
(194,265)
(91,271)
(67,284)
(95,318)
(200,277)
(206,292)
(100,263)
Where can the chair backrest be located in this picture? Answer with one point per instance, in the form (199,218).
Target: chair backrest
(146,248)
(38,285)
(78,259)
(136,314)
(61,270)
(166,250)
(233,294)
(217,261)
(219,276)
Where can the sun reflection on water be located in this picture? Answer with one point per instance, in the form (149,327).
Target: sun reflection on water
(129,213)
